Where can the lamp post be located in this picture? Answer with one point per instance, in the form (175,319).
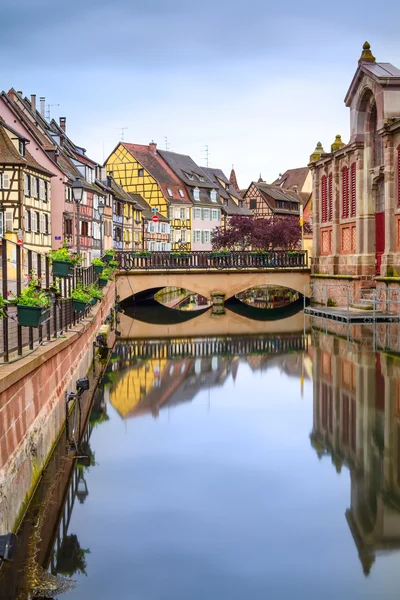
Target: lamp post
(100,207)
(77,195)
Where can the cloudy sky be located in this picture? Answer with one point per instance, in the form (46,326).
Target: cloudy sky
(258,82)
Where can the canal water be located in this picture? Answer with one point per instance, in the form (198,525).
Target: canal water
(243,466)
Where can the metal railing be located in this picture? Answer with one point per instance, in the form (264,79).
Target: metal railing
(16,264)
(277,259)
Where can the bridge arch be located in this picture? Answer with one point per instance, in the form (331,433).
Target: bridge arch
(229,283)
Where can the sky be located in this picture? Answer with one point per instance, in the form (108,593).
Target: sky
(259,83)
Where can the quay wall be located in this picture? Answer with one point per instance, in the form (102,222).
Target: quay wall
(32,408)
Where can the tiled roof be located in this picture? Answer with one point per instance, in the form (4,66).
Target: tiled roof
(277,193)
(9,155)
(146,208)
(292,178)
(228,194)
(159,169)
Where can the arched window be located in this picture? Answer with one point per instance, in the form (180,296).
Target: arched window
(345,193)
(324,213)
(353,190)
(330,197)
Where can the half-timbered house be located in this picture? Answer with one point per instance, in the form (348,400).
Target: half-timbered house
(141,170)
(266,200)
(155,237)
(25,193)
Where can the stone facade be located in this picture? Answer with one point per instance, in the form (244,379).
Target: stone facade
(356,198)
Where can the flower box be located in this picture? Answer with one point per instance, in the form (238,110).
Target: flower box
(102,282)
(107,258)
(32,316)
(94,301)
(62,268)
(79,306)
(98,269)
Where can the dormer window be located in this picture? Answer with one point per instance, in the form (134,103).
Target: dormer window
(169,192)
(196,194)
(201,178)
(140,172)
(189,176)
(182,195)
(213,196)
(21,147)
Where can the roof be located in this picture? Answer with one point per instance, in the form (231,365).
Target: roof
(159,169)
(272,193)
(386,74)
(232,199)
(292,178)
(233,180)
(9,155)
(146,208)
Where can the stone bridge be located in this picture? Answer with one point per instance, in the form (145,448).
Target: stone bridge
(207,272)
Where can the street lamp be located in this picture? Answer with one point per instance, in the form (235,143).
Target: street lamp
(77,195)
(100,207)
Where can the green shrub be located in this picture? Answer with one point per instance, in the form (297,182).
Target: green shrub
(97,262)
(81,295)
(330,302)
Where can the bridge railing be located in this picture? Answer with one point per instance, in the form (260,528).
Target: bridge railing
(276,259)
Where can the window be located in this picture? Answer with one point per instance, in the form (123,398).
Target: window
(189,176)
(84,228)
(164,246)
(182,195)
(68,194)
(5,181)
(324,213)
(21,147)
(213,196)
(215,214)
(197,212)
(196,237)
(9,220)
(353,189)
(207,237)
(182,214)
(171,212)
(35,187)
(253,203)
(41,189)
(169,192)
(27,185)
(28,223)
(196,194)
(330,197)
(140,172)
(163,228)
(205,213)
(345,193)
(42,223)
(68,227)
(201,178)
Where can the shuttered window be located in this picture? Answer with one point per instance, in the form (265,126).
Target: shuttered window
(345,193)
(324,213)
(330,197)
(27,220)
(353,190)
(27,185)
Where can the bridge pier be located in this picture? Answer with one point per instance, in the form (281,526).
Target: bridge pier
(218,303)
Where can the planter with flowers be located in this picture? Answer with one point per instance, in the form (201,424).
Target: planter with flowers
(98,265)
(95,293)
(33,304)
(106,276)
(80,299)
(109,254)
(63,261)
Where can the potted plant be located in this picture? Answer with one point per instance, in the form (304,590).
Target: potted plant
(3,304)
(106,275)
(98,265)
(80,299)
(95,293)
(141,254)
(109,255)
(113,264)
(63,261)
(33,304)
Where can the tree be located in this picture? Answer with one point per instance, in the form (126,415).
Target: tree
(238,234)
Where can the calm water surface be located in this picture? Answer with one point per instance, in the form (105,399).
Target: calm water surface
(272,472)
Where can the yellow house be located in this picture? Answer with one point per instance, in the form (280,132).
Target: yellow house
(141,170)
(25,197)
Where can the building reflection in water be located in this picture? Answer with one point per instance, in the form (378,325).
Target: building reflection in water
(146,377)
(356,421)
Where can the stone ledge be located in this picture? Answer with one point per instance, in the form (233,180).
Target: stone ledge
(11,373)
(326,276)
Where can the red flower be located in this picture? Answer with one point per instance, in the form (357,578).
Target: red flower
(35,295)
(8,293)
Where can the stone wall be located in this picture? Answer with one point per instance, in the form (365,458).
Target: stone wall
(32,408)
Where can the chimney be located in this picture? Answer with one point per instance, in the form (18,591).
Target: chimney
(42,106)
(63,123)
(19,92)
(11,94)
(295,189)
(153,147)
(33,102)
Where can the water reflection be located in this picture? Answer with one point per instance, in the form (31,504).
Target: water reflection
(356,421)
(268,297)
(228,498)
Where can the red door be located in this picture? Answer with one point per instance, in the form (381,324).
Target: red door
(379,239)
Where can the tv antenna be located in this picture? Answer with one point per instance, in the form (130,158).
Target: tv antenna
(167,144)
(207,155)
(122,130)
(48,110)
